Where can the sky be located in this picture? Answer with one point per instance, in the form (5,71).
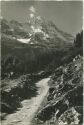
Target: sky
(67,15)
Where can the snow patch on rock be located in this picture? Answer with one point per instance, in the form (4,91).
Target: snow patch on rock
(24,40)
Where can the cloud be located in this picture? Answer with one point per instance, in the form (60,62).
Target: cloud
(32,9)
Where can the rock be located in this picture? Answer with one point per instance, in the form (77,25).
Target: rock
(5,107)
(51,89)
(46,113)
(65,98)
(71,116)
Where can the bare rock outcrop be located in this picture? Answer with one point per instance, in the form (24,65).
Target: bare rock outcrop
(65,95)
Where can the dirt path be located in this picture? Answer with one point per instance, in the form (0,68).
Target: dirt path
(26,113)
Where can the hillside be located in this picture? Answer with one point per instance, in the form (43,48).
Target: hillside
(64,101)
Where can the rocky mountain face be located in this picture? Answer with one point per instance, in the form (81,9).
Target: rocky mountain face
(64,103)
(36,30)
(38,41)
(45,32)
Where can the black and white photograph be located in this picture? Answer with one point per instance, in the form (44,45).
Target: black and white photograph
(41,62)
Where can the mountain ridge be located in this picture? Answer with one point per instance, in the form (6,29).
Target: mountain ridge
(45,31)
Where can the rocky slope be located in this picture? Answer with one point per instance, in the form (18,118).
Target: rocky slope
(64,103)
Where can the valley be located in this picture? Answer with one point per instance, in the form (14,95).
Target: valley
(41,72)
